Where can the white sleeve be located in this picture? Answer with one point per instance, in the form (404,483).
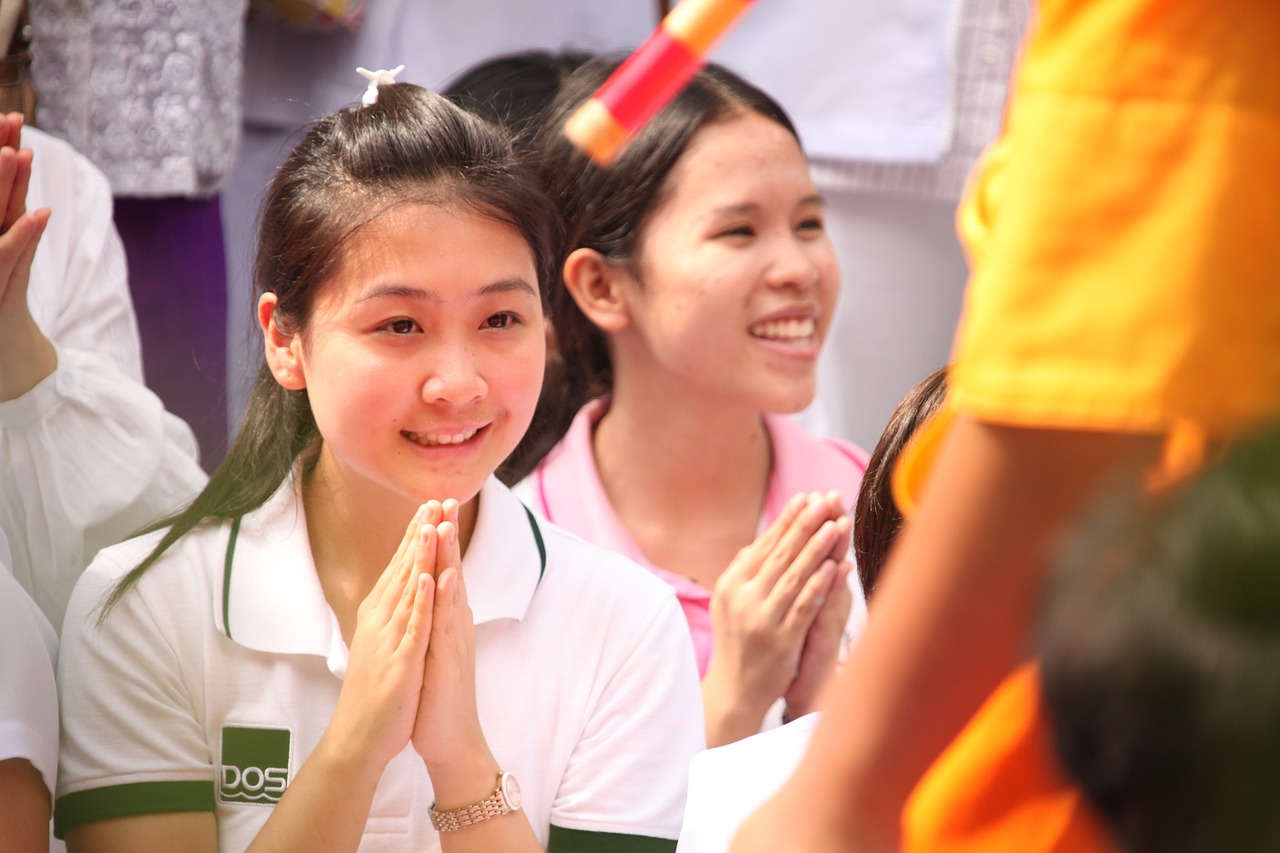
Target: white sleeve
(130,736)
(728,783)
(629,772)
(92,457)
(79,291)
(28,697)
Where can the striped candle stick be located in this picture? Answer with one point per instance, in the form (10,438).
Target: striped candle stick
(650,77)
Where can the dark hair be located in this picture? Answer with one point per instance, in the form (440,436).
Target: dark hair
(876,518)
(1161,660)
(606,209)
(514,90)
(410,147)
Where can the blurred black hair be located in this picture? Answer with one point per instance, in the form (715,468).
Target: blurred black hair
(1161,661)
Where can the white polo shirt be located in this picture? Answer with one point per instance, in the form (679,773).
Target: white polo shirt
(28,699)
(213,680)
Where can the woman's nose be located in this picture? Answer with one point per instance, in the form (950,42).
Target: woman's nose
(793,264)
(453,377)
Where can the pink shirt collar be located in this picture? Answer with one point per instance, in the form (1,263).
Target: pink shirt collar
(567,491)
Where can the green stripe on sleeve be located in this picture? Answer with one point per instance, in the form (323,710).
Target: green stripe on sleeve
(138,798)
(580,841)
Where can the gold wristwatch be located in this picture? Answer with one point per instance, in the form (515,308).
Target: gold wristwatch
(504,799)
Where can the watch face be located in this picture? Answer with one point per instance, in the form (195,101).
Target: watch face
(511,791)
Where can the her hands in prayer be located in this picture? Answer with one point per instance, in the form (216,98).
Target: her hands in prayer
(377,708)
(822,646)
(447,733)
(763,609)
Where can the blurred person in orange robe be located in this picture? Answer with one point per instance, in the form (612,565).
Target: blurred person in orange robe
(1122,316)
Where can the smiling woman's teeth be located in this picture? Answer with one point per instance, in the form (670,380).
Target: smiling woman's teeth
(785,330)
(433,440)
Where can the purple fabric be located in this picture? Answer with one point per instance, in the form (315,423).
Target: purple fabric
(178,278)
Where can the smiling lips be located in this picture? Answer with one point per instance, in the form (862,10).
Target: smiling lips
(431,439)
(791,330)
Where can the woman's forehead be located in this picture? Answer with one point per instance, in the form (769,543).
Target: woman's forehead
(437,248)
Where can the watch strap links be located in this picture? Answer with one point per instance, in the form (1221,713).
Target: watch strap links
(494,805)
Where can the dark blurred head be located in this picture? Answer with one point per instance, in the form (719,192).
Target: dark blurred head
(1161,656)
(515,90)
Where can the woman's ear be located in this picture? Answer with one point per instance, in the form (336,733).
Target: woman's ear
(596,285)
(284,352)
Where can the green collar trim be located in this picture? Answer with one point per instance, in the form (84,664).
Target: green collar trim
(235,534)
(226,576)
(542,547)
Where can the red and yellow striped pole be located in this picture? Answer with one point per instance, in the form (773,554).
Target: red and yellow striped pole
(650,77)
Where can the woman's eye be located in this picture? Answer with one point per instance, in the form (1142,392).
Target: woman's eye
(501,320)
(402,326)
(812,224)
(738,231)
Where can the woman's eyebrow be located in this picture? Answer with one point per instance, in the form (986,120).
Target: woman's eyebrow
(748,207)
(507,285)
(404,291)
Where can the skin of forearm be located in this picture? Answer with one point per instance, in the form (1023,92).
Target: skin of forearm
(469,782)
(730,716)
(26,358)
(24,818)
(325,807)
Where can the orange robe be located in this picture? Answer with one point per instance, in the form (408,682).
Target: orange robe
(1125,240)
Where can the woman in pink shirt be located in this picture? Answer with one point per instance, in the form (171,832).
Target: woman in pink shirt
(698,287)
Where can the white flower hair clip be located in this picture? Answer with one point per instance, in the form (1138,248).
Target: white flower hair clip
(377,78)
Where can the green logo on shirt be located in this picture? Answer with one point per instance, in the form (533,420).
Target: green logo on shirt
(255,765)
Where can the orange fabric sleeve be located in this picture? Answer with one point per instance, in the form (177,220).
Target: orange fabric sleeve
(1124,232)
(998,787)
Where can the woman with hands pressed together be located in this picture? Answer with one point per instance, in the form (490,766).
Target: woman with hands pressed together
(697,290)
(356,638)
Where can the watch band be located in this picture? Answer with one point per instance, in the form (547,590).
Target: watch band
(504,800)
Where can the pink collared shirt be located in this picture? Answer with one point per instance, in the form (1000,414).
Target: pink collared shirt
(566,490)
